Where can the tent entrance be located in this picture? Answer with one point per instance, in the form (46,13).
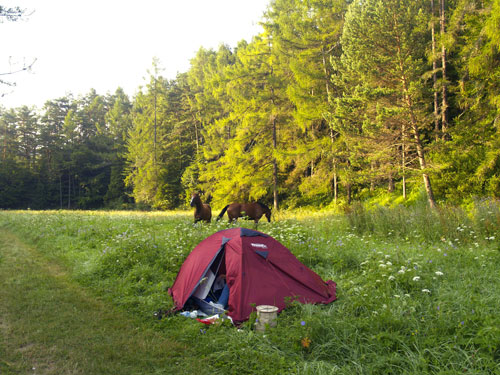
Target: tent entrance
(203,295)
(204,286)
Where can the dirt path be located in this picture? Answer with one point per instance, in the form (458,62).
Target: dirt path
(51,325)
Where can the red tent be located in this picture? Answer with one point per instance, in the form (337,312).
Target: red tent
(259,271)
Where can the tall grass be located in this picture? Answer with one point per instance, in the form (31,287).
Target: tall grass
(429,225)
(418,289)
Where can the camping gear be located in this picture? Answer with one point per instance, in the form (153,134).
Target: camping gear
(209,320)
(266,317)
(193,314)
(208,307)
(259,271)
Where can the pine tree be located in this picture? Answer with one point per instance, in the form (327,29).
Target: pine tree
(246,167)
(471,160)
(160,146)
(306,36)
(118,123)
(384,46)
(208,104)
(142,152)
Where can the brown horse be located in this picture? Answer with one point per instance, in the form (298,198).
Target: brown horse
(252,211)
(203,210)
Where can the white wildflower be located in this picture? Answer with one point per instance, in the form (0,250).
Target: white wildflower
(389,263)
(416,278)
(397,296)
(439,273)
(382,265)
(426,291)
(392,278)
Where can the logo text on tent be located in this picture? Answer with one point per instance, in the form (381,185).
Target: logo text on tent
(259,245)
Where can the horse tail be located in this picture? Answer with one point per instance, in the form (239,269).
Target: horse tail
(222,213)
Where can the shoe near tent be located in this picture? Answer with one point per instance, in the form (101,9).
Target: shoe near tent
(259,271)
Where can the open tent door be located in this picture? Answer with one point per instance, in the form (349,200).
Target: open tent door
(203,294)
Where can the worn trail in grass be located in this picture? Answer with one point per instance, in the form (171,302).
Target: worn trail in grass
(51,325)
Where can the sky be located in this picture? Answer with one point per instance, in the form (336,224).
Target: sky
(78,45)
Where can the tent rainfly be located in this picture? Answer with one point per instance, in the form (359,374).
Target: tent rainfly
(259,271)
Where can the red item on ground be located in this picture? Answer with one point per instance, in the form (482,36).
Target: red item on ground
(208,321)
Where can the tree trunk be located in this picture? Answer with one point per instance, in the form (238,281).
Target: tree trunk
(4,151)
(60,193)
(69,191)
(275,168)
(154,126)
(403,159)
(420,151)
(404,187)
(196,135)
(335,182)
(444,104)
(372,178)
(434,76)
(416,133)
(327,74)
(390,186)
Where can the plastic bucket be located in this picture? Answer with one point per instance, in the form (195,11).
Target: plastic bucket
(267,316)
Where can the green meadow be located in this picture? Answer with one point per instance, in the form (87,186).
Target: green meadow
(418,293)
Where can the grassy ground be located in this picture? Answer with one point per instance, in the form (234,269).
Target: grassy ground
(418,293)
(51,325)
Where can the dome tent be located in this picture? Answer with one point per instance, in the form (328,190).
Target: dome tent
(259,271)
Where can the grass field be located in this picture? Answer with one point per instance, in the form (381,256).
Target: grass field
(418,293)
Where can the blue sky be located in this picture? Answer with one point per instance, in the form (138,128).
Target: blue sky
(105,44)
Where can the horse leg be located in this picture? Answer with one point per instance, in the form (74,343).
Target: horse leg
(232,216)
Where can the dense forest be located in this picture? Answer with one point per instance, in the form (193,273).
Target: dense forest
(334,101)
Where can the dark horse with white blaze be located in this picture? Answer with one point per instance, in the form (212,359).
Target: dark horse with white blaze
(252,211)
(203,210)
